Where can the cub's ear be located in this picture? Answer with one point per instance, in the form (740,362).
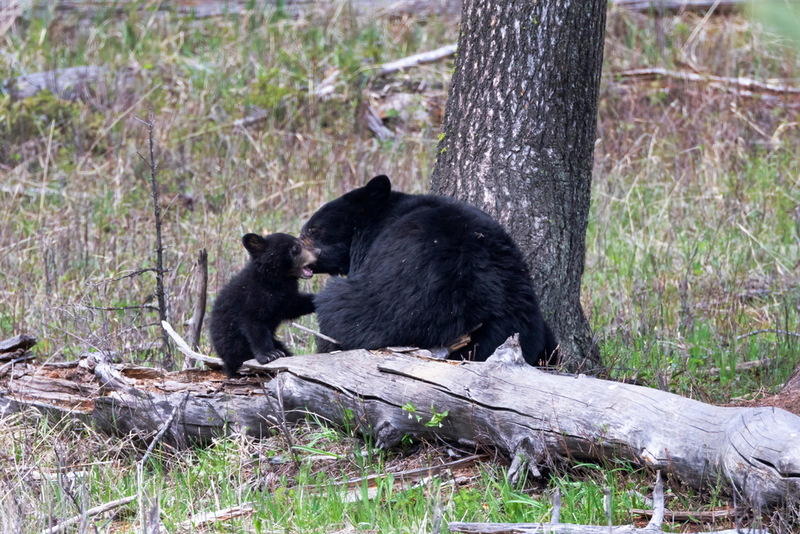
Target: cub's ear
(254,243)
(379,187)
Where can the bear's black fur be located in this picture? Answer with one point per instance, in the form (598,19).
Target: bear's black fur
(252,305)
(422,271)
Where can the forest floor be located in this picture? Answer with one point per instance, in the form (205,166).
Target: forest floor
(692,251)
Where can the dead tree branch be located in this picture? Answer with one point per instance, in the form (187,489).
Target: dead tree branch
(161,294)
(741,83)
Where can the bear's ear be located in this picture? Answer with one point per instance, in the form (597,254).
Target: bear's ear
(379,187)
(254,243)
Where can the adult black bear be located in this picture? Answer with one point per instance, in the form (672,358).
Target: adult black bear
(421,271)
(252,305)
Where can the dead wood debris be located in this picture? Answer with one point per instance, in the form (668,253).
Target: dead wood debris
(556,527)
(742,85)
(678,6)
(17,344)
(91,512)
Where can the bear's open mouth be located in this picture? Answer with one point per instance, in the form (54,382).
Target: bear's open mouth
(307,272)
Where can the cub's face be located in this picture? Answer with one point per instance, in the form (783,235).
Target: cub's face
(281,255)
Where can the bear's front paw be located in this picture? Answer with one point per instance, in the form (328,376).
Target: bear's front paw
(266,357)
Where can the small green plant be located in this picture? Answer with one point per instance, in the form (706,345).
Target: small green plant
(436,417)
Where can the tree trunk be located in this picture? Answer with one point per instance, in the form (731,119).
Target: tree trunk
(524,413)
(518,141)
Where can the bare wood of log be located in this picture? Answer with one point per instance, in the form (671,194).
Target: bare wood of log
(525,411)
(21,342)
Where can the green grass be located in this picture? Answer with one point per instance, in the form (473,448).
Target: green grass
(693,242)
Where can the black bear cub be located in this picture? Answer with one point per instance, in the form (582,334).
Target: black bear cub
(252,305)
(422,270)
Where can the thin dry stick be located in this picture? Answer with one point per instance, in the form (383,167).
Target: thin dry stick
(201,284)
(184,348)
(97,510)
(555,516)
(44,174)
(310,331)
(741,82)
(767,331)
(206,519)
(160,293)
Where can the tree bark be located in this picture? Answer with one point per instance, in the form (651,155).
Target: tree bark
(524,413)
(518,140)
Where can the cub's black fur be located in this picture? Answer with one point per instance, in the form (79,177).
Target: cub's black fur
(422,271)
(252,305)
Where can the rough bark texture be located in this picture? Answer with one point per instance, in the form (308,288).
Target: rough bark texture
(519,410)
(518,140)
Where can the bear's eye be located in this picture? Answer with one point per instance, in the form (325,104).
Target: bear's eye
(296,249)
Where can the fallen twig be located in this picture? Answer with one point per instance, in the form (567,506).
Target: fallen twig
(418,59)
(696,516)
(184,348)
(355,489)
(89,513)
(327,86)
(310,331)
(744,366)
(767,331)
(555,527)
(204,519)
(212,361)
(677,6)
(742,82)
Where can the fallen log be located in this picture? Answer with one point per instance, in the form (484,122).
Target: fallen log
(525,413)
